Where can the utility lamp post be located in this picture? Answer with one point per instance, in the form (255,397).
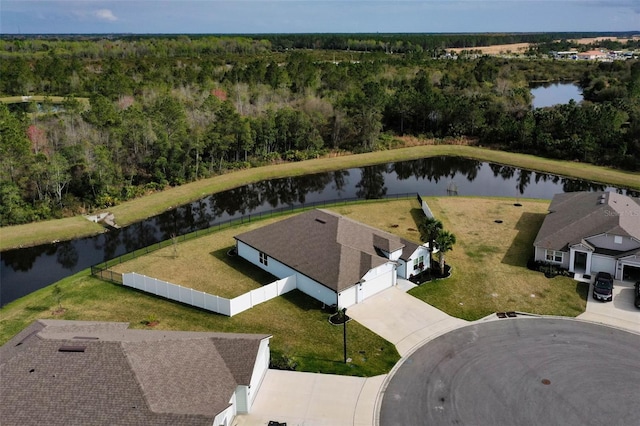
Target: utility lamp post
(344,334)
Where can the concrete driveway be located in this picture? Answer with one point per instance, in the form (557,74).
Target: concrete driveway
(329,400)
(311,399)
(402,319)
(618,313)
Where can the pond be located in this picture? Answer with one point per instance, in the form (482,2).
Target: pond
(26,270)
(550,94)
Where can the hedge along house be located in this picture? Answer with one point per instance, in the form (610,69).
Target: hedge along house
(89,373)
(335,260)
(589,232)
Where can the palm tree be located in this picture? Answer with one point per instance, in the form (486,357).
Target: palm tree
(429,229)
(445,241)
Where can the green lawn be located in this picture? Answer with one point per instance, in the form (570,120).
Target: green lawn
(489,259)
(489,265)
(489,262)
(151,205)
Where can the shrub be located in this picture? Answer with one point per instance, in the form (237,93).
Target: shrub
(283,362)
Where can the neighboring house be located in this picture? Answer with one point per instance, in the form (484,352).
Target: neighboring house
(589,232)
(103,373)
(335,259)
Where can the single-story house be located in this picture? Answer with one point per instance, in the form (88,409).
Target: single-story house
(335,260)
(103,373)
(589,232)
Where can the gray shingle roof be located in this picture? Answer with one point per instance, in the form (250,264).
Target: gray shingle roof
(124,377)
(329,248)
(574,216)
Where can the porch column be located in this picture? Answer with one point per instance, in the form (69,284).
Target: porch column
(572,259)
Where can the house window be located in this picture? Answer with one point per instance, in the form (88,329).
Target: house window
(418,263)
(617,239)
(554,256)
(264,259)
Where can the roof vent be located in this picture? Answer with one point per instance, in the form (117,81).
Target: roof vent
(320,220)
(601,201)
(72,348)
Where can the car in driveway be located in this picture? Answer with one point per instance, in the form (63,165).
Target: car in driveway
(603,287)
(636,293)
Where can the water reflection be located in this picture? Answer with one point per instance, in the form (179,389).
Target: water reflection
(550,94)
(29,269)
(371,185)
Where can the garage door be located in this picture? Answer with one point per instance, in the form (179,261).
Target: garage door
(630,273)
(602,264)
(375,285)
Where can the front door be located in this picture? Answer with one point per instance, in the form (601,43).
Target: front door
(580,262)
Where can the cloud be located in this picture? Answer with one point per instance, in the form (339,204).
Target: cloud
(105,15)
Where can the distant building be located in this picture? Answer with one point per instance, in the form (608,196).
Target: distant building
(569,54)
(593,55)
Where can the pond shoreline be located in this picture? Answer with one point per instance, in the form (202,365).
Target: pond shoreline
(33,234)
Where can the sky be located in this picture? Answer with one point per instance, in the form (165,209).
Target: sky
(315,16)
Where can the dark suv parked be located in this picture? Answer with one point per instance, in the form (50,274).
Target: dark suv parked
(603,287)
(636,300)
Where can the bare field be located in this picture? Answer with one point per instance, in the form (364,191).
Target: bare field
(497,48)
(597,39)
(523,47)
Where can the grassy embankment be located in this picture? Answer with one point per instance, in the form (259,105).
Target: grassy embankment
(142,208)
(39,98)
(489,275)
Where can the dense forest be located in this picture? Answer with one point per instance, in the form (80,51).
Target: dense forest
(122,116)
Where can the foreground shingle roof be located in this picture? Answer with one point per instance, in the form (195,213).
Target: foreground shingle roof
(574,216)
(329,248)
(123,377)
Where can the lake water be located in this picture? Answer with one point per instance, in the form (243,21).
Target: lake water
(26,270)
(555,93)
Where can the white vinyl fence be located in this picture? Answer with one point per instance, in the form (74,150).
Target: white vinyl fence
(426,209)
(210,302)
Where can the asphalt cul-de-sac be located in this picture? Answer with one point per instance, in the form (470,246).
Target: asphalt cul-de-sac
(521,371)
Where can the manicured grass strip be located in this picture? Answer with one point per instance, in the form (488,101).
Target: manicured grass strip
(151,205)
(47,231)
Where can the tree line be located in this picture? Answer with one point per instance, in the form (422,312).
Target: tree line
(158,120)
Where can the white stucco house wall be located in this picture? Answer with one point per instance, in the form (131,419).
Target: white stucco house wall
(335,260)
(589,232)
